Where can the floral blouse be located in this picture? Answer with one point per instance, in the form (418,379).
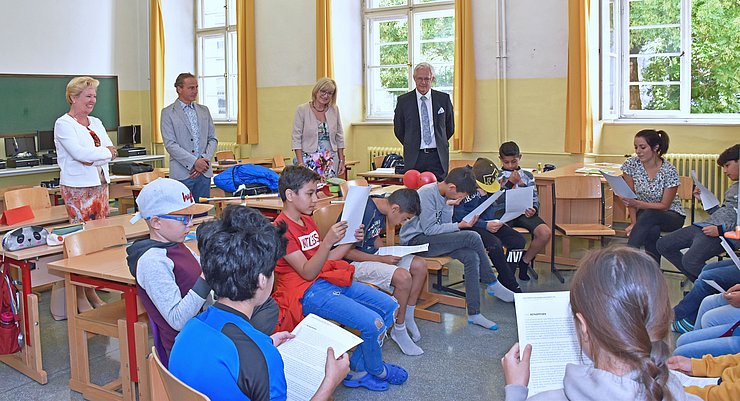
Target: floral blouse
(651,190)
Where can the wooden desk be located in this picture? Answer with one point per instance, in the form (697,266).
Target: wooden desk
(613,211)
(42,217)
(374,177)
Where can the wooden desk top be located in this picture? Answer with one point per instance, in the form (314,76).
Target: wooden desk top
(570,170)
(375,174)
(42,217)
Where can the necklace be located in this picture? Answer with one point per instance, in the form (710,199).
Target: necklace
(313,106)
(78,121)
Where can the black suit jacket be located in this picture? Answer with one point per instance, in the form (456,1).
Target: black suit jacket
(407,127)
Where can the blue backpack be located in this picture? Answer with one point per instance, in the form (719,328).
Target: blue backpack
(230,179)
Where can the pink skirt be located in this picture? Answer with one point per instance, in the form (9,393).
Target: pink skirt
(86,203)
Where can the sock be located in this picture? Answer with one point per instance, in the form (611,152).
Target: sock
(411,323)
(497,290)
(356,375)
(383,374)
(523,271)
(401,337)
(480,320)
(682,326)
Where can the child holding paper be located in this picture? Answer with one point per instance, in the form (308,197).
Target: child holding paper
(402,276)
(313,278)
(716,330)
(512,176)
(724,273)
(702,239)
(655,182)
(621,309)
(434,226)
(494,234)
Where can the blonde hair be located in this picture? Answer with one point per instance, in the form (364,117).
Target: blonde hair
(78,84)
(325,84)
(623,299)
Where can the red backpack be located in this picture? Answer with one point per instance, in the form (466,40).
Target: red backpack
(10,331)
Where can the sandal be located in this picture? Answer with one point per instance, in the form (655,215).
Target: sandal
(395,374)
(370,382)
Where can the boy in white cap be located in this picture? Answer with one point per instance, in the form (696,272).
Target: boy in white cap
(169,279)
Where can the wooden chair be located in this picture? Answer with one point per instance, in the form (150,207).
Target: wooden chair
(36,198)
(326,217)
(5,189)
(165,386)
(686,193)
(378,162)
(344,187)
(128,202)
(225,155)
(581,208)
(107,320)
(278,161)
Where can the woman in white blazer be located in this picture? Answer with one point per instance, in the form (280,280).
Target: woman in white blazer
(318,137)
(83,152)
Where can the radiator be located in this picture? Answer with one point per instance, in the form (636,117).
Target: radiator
(232,146)
(375,151)
(707,170)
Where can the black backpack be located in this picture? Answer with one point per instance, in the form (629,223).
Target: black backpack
(391,160)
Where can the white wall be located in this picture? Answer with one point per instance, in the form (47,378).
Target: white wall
(178,17)
(81,37)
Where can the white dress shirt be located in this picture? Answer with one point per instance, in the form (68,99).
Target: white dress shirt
(433,144)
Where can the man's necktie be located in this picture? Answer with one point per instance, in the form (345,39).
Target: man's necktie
(426,132)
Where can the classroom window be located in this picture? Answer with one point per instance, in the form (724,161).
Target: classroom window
(670,59)
(398,35)
(216,57)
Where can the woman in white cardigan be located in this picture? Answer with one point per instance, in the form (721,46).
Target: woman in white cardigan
(318,137)
(83,152)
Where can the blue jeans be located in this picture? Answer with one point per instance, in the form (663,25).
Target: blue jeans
(467,247)
(698,343)
(716,311)
(360,307)
(200,186)
(700,248)
(724,273)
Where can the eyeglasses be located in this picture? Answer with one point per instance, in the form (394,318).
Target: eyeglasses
(326,93)
(96,139)
(423,79)
(183,219)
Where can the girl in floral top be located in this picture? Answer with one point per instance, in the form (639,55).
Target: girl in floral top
(655,181)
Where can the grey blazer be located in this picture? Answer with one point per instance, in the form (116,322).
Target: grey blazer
(179,141)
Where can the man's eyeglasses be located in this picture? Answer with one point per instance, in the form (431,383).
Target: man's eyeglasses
(183,219)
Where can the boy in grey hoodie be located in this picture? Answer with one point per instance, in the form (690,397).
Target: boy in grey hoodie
(702,238)
(434,226)
(168,276)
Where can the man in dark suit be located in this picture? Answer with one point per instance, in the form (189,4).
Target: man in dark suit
(424,126)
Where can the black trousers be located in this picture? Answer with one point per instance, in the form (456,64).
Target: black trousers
(429,162)
(494,244)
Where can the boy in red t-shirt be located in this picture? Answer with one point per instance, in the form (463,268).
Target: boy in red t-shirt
(313,278)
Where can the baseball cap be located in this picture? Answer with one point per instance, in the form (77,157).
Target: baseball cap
(166,196)
(486,174)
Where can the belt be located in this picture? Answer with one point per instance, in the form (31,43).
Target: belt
(428,150)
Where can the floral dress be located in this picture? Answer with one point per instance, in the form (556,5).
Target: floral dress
(322,161)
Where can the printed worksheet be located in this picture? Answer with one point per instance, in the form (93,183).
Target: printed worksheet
(402,251)
(708,200)
(354,210)
(619,186)
(517,201)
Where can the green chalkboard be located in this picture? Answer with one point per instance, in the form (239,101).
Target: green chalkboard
(34,102)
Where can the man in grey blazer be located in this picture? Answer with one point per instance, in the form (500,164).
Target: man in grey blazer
(424,126)
(189,137)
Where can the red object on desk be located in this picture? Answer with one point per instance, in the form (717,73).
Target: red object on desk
(17,215)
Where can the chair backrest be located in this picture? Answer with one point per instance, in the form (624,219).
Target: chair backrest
(146,178)
(584,199)
(278,161)
(36,198)
(686,188)
(360,182)
(326,217)
(378,161)
(93,240)
(166,387)
(224,154)
(461,163)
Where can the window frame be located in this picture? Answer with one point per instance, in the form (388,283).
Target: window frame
(621,112)
(226,31)
(407,11)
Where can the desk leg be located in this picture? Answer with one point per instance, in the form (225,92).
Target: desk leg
(142,345)
(79,373)
(129,298)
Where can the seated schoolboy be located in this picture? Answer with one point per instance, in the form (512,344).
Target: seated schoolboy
(313,278)
(168,275)
(403,276)
(219,352)
(716,330)
(702,239)
(724,273)
(726,367)
(434,226)
(495,235)
(512,176)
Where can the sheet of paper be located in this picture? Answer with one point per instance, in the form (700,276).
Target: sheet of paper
(354,209)
(714,285)
(730,252)
(517,201)
(385,170)
(402,251)
(708,200)
(619,186)
(482,207)
(545,321)
(305,355)
(687,380)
